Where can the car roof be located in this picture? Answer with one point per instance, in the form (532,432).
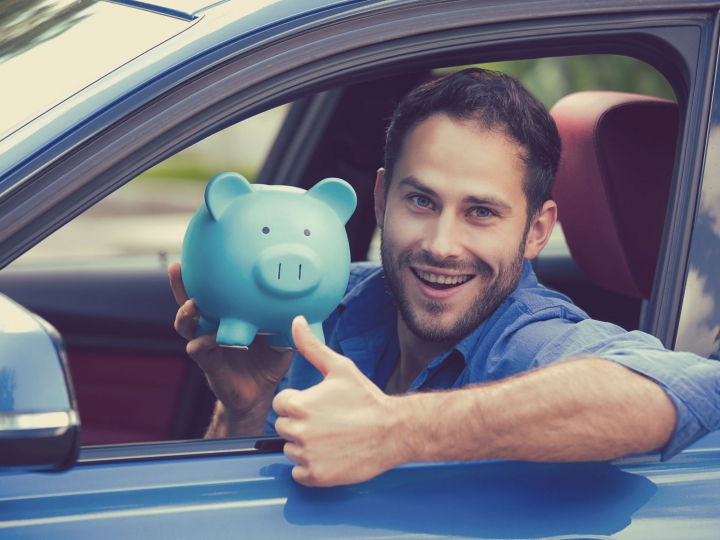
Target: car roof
(193,29)
(116,65)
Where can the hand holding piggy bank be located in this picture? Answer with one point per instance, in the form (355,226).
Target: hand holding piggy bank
(255,256)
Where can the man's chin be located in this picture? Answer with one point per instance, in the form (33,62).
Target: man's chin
(433,321)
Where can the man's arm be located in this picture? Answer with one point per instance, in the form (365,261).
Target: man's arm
(243,381)
(346,430)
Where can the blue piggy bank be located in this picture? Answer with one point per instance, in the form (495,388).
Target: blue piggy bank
(256,256)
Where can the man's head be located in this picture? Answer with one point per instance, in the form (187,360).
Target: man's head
(470,164)
(492,101)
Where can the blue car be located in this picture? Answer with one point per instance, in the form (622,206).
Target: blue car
(102,413)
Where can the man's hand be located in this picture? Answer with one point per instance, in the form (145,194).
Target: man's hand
(341,430)
(243,381)
(345,430)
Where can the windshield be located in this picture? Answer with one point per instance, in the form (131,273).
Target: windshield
(51,49)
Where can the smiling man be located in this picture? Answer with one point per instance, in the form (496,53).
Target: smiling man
(463,203)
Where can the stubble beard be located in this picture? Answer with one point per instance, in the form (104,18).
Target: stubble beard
(495,289)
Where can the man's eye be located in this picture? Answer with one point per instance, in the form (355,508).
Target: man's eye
(421,201)
(482,212)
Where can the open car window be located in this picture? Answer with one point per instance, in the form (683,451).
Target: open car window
(102,281)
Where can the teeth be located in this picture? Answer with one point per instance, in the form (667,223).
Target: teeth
(443,280)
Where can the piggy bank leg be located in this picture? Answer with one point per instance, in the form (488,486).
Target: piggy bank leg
(235,333)
(317,329)
(205,326)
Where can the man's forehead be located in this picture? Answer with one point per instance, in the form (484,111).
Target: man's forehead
(457,157)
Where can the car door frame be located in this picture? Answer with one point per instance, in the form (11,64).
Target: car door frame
(372,43)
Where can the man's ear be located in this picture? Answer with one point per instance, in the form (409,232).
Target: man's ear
(380,197)
(540,229)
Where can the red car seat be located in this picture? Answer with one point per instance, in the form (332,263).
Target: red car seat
(613,183)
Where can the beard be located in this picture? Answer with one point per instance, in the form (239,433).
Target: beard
(493,292)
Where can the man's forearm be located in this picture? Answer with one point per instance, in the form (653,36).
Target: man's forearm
(582,410)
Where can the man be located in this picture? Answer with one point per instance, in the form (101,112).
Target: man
(463,203)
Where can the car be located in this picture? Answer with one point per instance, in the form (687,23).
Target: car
(96,93)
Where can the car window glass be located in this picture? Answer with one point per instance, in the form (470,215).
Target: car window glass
(699,326)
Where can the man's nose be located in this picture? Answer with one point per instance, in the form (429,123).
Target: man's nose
(444,239)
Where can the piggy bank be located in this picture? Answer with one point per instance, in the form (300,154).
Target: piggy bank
(256,256)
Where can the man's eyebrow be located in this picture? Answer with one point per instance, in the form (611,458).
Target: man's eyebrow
(487,201)
(496,202)
(414,183)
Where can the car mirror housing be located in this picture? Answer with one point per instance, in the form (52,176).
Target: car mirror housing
(39,421)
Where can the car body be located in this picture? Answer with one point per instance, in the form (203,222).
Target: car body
(201,66)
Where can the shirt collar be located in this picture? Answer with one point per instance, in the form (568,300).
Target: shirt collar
(369,306)
(470,343)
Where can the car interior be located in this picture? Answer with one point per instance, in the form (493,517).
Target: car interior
(133,379)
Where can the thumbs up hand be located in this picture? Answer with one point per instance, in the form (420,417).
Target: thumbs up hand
(343,430)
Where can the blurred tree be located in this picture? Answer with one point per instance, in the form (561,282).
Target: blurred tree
(25,23)
(549,79)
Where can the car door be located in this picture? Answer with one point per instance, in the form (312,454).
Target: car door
(243,486)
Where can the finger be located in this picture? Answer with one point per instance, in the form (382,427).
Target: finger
(186,320)
(283,427)
(293,452)
(319,355)
(176,284)
(198,348)
(302,475)
(280,403)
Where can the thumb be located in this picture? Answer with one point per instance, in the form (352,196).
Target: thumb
(319,355)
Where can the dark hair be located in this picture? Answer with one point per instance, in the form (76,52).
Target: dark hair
(498,102)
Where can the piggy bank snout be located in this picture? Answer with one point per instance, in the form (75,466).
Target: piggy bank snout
(288,271)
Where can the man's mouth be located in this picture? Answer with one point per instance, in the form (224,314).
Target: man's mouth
(442,281)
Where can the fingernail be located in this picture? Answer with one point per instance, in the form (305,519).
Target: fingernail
(303,323)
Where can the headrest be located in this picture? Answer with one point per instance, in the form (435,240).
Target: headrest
(613,183)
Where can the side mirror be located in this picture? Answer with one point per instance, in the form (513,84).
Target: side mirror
(39,421)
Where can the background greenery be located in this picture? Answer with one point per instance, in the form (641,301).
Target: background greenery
(244,147)
(549,79)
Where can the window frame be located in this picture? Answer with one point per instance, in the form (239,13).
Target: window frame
(222,93)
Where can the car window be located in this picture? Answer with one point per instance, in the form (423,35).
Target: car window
(102,280)
(148,216)
(699,325)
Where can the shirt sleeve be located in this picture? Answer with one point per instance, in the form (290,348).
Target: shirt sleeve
(690,381)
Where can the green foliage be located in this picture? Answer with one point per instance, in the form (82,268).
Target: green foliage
(549,79)
(26,23)
(187,169)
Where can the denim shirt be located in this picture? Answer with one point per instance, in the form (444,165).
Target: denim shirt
(533,327)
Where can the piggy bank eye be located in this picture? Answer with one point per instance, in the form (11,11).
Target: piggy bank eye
(266,230)
(307,232)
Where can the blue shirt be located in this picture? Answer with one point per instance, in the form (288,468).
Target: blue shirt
(533,327)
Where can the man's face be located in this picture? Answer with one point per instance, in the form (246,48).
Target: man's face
(453,226)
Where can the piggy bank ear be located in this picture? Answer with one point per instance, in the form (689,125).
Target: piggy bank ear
(223,189)
(337,194)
